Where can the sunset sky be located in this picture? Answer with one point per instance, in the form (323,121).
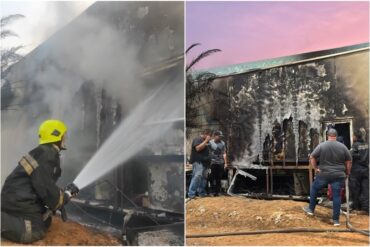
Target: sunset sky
(251,31)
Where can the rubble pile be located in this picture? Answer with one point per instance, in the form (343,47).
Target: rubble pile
(71,233)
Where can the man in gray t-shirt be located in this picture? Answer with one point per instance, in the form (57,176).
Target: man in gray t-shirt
(334,165)
(218,162)
(332,156)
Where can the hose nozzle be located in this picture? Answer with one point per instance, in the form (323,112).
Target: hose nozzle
(72,189)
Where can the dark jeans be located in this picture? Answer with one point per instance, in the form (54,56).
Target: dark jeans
(23,229)
(217,171)
(198,180)
(359,189)
(336,185)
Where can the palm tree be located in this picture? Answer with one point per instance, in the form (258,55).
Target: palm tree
(196,85)
(9,55)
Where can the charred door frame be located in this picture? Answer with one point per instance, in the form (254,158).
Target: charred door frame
(338,120)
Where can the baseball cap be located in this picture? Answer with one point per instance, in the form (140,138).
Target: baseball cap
(218,133)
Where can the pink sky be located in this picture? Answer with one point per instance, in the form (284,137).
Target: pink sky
(250,31)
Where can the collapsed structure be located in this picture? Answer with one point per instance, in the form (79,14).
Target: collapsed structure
(92,74)
(275,112)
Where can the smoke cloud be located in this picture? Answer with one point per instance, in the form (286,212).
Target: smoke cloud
(40,22)
(93,49)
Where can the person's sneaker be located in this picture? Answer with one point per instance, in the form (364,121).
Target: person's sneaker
(336,223)
(189,199)
(308,211)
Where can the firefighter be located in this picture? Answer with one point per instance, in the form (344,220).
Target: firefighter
(30,193)
(359,178)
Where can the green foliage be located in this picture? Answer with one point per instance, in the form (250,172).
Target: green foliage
(9,55)
(197,87)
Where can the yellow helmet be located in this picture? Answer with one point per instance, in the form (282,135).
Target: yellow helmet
(51,131)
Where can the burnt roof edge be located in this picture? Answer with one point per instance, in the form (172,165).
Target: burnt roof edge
(259,65)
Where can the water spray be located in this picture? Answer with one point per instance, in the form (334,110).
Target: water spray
(149,121)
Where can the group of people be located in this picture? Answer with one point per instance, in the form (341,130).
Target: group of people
(209,160)
(333,164)
(332,161)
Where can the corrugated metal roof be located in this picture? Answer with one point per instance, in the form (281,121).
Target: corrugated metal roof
(281,61)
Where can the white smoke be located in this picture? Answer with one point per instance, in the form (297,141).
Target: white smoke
(41,20)
(91,49)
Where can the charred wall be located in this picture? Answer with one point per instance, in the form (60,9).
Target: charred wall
(280,113)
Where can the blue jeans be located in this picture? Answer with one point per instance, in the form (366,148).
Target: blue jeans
(198,180)
(336,185)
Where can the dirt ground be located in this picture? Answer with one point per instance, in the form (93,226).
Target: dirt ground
(71,233)
(233,214)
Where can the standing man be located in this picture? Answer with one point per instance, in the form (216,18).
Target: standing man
(200,159)
(30,192)
(218,162)
(359,179)
(335,165)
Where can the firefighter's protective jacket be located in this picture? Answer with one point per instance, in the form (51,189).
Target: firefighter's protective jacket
(360,156)
(31,187)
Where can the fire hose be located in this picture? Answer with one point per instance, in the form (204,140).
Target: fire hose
(350,228)
(289,230)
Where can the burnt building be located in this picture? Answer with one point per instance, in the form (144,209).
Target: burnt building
(92,74)
(275,112)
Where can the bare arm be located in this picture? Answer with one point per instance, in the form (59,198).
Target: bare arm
(348,167)
(313,162)
(201,146)
(225,159)
(314,156)
(349,160)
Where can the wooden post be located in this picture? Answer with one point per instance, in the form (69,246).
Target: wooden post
(272,182)
(284,151)
(267,181)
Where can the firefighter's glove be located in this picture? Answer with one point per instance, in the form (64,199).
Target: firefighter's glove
(71,190)
(63,214)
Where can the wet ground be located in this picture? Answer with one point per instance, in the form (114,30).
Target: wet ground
(159,238)
(233,214)
(72,233)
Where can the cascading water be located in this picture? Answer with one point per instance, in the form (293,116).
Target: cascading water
(295,126)
(135,132)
